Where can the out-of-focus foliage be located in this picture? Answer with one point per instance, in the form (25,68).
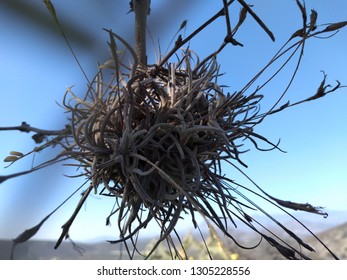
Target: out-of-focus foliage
(213,247)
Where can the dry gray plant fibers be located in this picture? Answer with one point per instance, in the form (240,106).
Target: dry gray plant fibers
(154,137)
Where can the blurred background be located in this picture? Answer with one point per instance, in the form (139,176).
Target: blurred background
(36,67)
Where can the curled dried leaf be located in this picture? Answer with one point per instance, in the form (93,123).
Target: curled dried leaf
(303,10)
(27,234)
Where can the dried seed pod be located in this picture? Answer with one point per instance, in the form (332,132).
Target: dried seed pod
(313,20)
(183,24)
(15,153)
(298,33)
(11,158)
(242,17)
(335,26)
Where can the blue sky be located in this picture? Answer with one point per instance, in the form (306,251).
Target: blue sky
(36,67)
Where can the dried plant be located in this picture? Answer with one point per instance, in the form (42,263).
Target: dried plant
(155,138)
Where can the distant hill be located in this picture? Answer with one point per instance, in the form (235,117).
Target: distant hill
(335,239)
(44,250)
(331,231)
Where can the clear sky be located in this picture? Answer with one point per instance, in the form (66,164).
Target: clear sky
(36,67)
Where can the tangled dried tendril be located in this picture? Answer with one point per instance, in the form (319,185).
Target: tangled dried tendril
(156,140)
